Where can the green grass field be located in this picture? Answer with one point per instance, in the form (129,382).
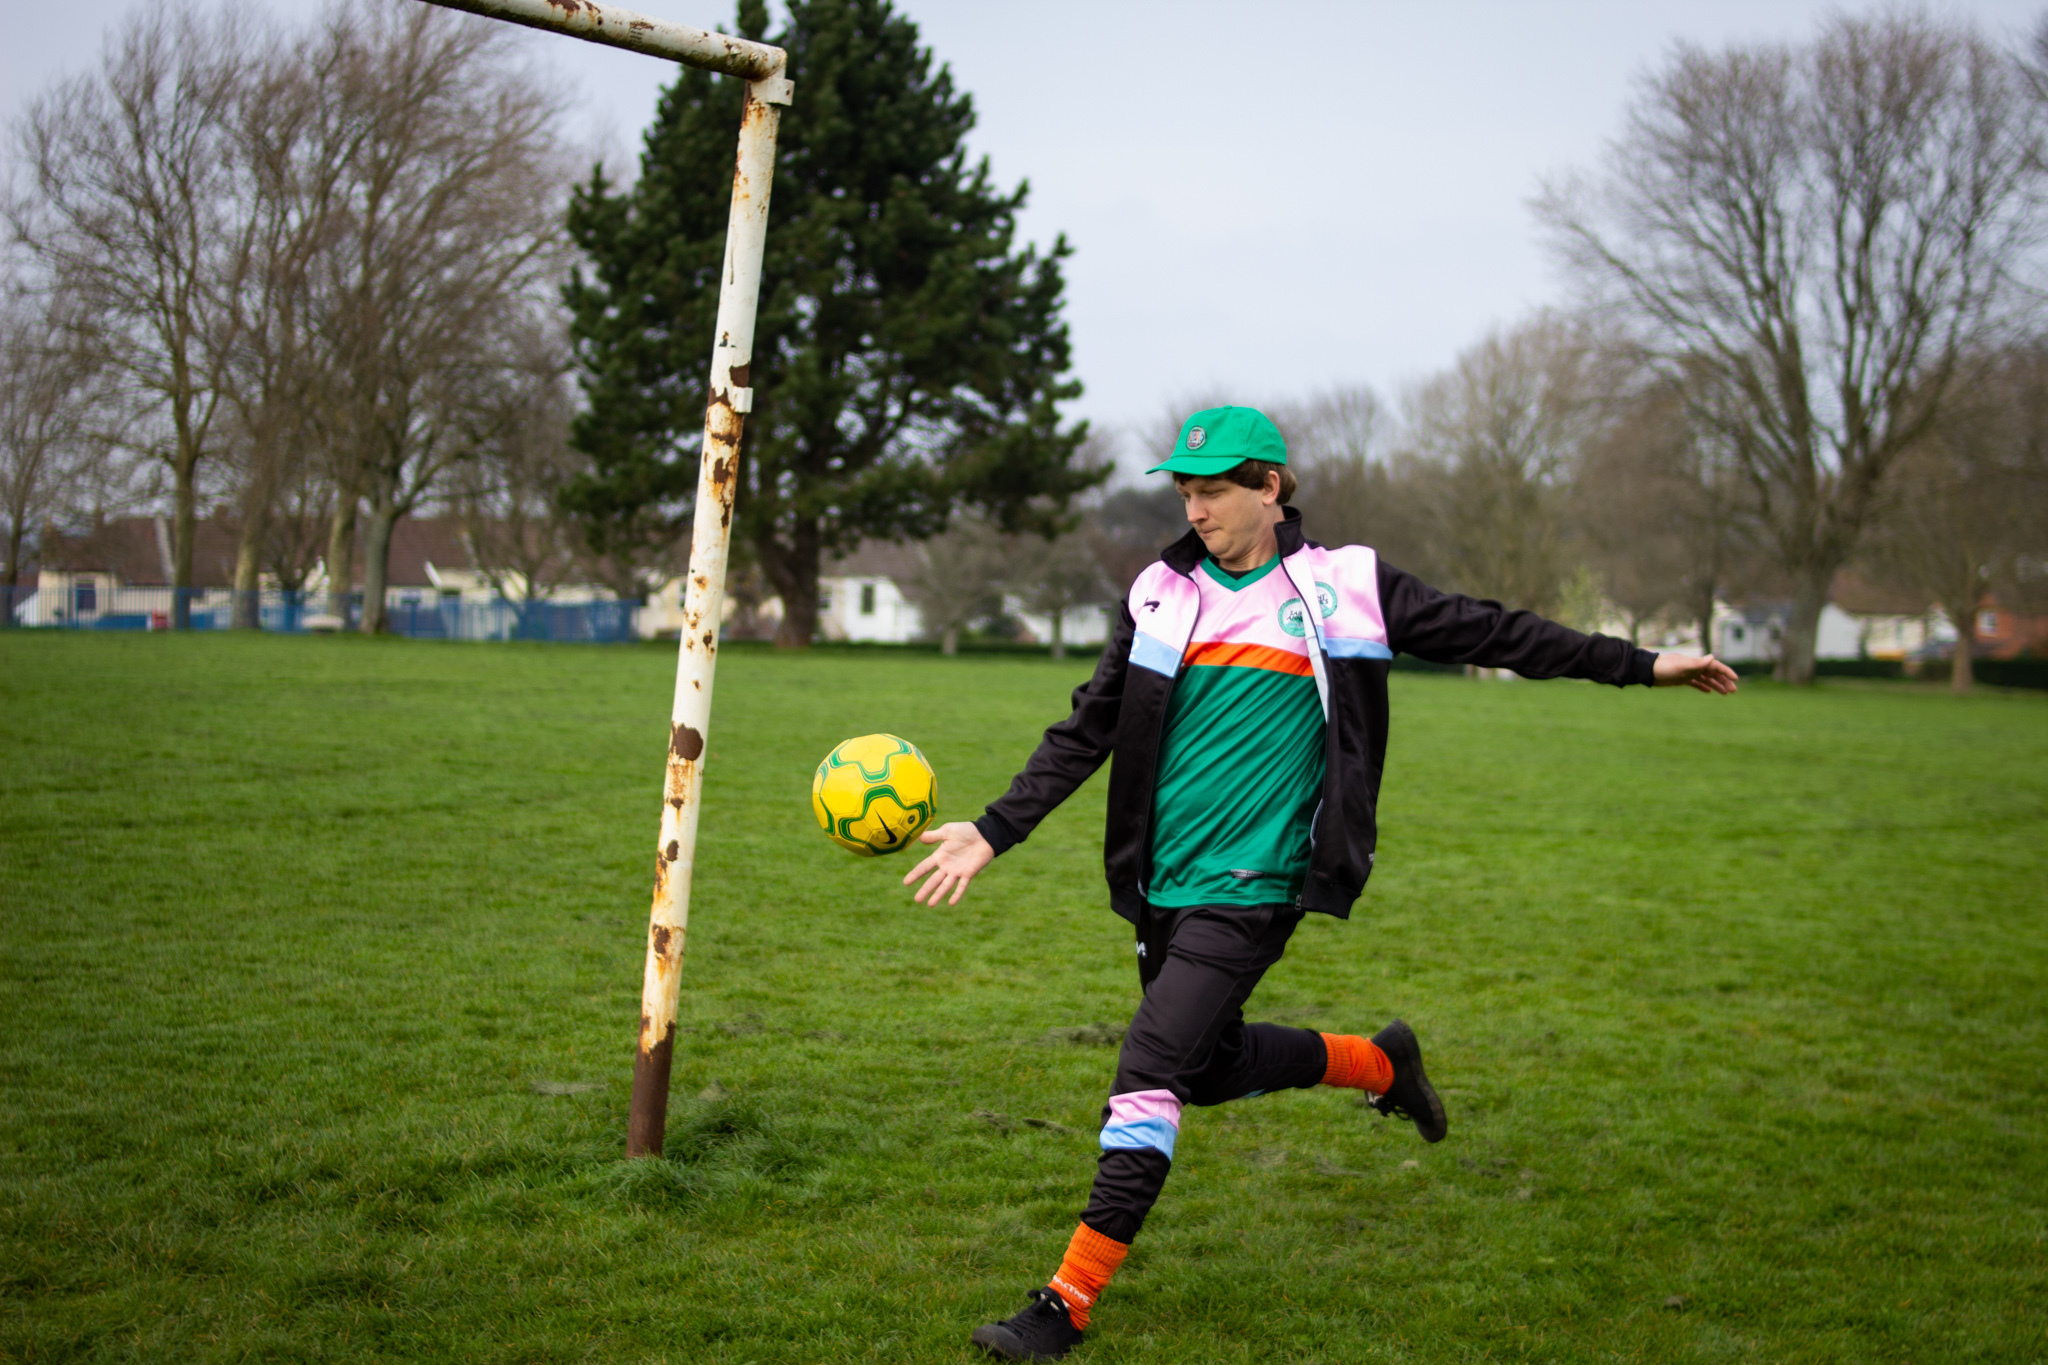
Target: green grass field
(320,965)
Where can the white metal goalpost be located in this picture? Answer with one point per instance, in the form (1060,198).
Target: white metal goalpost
(731,398)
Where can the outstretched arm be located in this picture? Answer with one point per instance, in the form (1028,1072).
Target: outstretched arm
(1450,628)
(1701,673)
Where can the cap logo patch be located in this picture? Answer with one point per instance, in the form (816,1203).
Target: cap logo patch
(1197,438)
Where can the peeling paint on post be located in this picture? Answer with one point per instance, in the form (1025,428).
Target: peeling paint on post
(731,400)
(703,604)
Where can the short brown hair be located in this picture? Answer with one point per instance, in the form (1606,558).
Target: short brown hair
(1249,474)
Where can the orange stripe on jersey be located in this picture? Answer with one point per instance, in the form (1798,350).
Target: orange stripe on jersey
(1229,654)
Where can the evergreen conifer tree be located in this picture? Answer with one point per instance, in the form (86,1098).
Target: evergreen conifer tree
(909,356)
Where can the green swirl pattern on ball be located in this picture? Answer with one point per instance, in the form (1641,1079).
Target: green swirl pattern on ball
(921,809)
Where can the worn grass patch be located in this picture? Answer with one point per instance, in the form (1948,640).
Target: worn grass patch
(320,960)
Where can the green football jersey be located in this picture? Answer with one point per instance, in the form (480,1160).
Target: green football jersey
(1241,758)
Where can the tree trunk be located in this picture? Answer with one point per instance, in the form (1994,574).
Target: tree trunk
(249,568)
(949,641)
(1796,650)
(1963,673)
(377,567)
(249,552)
(1704,610)
(793,569)
(1059,634)
(341,556)
(15,535)
(184,529)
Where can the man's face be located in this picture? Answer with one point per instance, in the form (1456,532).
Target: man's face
(1230,518)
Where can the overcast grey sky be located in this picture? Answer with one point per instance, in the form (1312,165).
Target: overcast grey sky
(1265,198)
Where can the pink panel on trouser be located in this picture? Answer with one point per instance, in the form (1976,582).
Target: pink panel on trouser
(1144,1104)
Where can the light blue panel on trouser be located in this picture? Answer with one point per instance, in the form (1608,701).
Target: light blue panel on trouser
(1149,651)
(1133,1134)
(1356,649)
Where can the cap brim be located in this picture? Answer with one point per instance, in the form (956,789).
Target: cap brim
(1198,465)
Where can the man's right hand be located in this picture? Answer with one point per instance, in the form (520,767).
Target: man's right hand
(961,853)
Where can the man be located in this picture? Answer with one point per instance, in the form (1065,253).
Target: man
(1244,696)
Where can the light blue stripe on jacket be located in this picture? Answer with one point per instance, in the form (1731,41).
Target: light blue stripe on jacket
(1149,651)
(1356,649)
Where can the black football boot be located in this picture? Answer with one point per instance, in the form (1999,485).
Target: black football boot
(1411,1096)
(1043,1331)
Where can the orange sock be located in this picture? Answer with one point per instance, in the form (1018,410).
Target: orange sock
(1356,1064)
(1091,1260)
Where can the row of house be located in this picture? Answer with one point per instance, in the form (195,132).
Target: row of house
(1864,621)
(120,573)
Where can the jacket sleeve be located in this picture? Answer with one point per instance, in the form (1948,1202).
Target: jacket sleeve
(1447,628)
(1070,752)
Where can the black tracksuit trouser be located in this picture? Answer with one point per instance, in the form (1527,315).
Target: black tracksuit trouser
(1189,1044)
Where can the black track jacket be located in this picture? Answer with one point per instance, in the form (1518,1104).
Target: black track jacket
(1370,611)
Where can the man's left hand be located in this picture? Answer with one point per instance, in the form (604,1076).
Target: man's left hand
(1706,674)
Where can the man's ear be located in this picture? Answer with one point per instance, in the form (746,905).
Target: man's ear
(1271,493)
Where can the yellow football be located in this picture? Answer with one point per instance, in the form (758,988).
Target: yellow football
(874,794)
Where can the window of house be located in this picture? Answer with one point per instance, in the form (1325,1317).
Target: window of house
(1735,634)
(1987,622)
(867,599)
(85,597)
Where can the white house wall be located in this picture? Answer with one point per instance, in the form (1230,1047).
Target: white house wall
(1083,625)
(868,609)
(1742,638)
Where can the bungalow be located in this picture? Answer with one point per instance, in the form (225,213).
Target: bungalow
(118,576)
(1754,632)
(859,597)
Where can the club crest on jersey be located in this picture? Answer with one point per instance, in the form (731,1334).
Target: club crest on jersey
(1290,611)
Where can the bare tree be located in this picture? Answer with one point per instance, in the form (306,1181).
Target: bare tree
(520,538)
(1488,452)
(1338,445)
(959,579)
(300,515)
(1813,240)
(451,219)
(1656,513)
(1053,577)
(49,391)
(133,207)
(295,143)
(1129,527)
(1963,507)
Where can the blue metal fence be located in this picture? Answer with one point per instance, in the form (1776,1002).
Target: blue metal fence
(94,606)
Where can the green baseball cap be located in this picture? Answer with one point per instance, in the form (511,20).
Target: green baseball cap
(1216,439)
